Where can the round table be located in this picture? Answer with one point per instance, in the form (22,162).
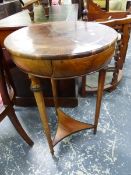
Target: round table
(61,50)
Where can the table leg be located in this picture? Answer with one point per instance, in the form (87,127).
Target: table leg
(66,124)
(101,81)
(54,91)
(36,88)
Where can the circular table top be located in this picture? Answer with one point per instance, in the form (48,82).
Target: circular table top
(60,40)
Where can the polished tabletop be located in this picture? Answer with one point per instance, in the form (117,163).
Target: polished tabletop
(60,40)
(62,49)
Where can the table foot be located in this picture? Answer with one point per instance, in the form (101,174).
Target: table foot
(68,126)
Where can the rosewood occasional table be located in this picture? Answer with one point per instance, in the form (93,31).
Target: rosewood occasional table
(61,50)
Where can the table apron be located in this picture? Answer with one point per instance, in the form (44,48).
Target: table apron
(61,69)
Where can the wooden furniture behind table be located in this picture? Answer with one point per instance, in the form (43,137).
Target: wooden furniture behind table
(66,88)
(80,6)
(8,8)
(95,12)
(104,4)
(128,6)
(6,105)
(81,49)
(121,23)
(113,5)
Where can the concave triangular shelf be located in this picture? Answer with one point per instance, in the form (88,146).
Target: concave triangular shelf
(68,126)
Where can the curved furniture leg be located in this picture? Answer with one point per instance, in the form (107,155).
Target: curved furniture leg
(18,127)
(101,80)
(36,88)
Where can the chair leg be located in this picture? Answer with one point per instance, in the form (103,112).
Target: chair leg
(50,2)
(13,118)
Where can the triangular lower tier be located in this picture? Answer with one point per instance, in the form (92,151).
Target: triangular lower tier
(67,126)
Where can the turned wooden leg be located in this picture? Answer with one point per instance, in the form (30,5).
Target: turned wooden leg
(50,2)
(101,81)
(36,88)
(59,2)
(13,118)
